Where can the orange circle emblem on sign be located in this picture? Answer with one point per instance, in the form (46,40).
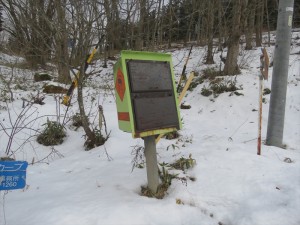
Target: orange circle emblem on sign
(120,84)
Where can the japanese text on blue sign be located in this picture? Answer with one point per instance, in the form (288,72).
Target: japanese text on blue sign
(12,175)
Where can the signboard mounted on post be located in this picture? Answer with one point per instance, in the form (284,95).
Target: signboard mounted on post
(147,102)
(146,98)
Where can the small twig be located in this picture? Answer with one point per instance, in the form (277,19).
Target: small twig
(53,152)
(109,158)
(100,111)
(139,157)
(20,124)
(105,127)
(250,140)
(230,138)
(24,142)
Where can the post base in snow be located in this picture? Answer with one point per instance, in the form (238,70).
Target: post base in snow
(151,163)
(2,208)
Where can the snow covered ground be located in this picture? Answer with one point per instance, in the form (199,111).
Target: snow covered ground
(233,185)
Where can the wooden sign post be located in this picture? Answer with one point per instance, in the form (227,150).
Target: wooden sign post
(147,102)
(264,68)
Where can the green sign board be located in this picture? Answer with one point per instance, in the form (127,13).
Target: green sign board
(145,93)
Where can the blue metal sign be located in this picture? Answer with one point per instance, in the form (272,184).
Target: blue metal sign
(12,175)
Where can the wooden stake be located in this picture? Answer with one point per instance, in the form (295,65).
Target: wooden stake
(264,68)
(260,114)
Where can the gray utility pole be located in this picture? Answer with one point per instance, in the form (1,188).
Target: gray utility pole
(280,73)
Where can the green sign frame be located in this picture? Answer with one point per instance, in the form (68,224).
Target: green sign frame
(127,118)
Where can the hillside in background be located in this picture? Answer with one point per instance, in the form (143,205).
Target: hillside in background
(227,184)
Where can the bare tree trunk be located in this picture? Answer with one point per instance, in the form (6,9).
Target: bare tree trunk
(61,40)
(259,21)
(200,22)
(1,18)
(113,24)
(116,25)
(198,28)
(231,66)
(127,26)
(85,122)
(220,26)
(190,26)
(141,25)
(210,30)
(250,24)
(156,31)
(203,33)
(268,23)
(170,33)
(84,16)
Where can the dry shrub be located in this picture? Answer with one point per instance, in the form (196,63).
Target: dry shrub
(53,134)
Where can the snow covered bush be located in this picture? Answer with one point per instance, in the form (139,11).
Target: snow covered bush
(98,140)
(53,134)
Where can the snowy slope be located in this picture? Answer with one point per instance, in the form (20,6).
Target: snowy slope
(233,185)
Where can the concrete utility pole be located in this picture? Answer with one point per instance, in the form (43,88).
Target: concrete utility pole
(280,73)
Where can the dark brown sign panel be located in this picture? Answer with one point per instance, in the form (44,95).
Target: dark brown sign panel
(152,95)
(149,75)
